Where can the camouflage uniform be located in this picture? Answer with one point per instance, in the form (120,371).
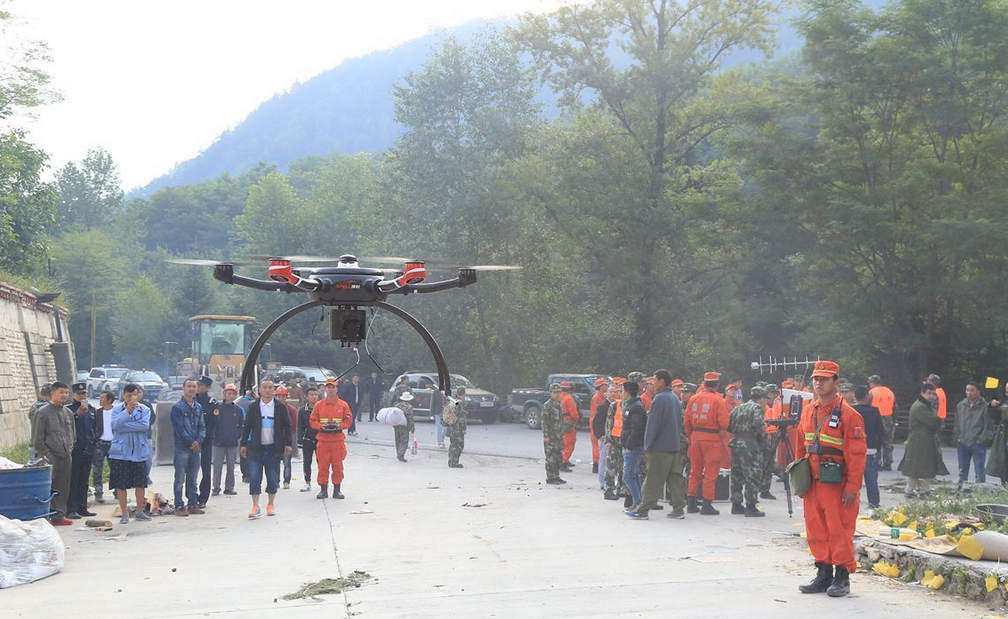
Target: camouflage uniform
(552,427)
(402,432)
(456,434)
(748,449)
(614,456)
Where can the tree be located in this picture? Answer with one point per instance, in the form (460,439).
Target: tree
(27,205)
(24,82)
(139,318)
(90,195)
(640,76)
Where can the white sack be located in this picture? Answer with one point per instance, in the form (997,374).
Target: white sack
(29,550)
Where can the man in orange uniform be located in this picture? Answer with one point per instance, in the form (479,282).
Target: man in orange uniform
(601,386)
(706,418)
(647,392)
(676,386)
(570,419)
(884,400)
(330,417)
(833,438)
(935,380)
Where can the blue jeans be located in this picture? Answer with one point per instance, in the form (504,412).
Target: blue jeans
(976,453)
(603,452)
(871,470)
(268,459)
(187,466)
(439,428)
(631,473)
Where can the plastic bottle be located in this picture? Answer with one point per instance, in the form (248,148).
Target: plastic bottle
(902,534)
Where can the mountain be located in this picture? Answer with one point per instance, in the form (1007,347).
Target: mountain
(349,109)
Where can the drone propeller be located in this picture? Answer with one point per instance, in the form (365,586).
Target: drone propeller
(441,265)
(200,262)
(265,258)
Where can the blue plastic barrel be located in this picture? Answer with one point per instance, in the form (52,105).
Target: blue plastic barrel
(25,493)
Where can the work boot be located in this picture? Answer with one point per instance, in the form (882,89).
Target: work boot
(841,583)
(752,512)
(336,494)
(707,509)
(822,581)
(595,468)
(737,509)
(566,468)
(691,505)
(766,495)
(609,495)
(323,492)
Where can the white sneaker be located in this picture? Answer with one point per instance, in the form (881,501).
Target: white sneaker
(307,488)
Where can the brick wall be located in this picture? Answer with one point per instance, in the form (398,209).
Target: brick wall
(25,364)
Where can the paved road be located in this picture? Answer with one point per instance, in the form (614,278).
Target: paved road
(487,540)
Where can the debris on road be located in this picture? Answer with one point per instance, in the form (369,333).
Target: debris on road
(330,586)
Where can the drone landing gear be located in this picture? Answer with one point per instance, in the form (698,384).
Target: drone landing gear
(248,372)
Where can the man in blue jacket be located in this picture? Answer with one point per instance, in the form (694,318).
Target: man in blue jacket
(661,443)
(190,431)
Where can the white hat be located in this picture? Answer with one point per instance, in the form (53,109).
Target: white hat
(406,396)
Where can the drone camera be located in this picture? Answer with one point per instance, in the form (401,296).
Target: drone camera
(348,325)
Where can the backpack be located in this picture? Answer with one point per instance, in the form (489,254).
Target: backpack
(449,416)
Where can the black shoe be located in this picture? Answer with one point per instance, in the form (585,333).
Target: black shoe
(637,514)
(86,513)
(676,514)
(658,507)
(766,495)
(455,465)
(627,502)
(752,512)
(841,583)
(401,458)
(737,509)
(874,506)
(72,515)
(555,481)
(323,492)
(609,495)
(822,581)
(595,468)
(566,469)
(707,509)
(691,505)
(336,494)
(215,492)
(230,492)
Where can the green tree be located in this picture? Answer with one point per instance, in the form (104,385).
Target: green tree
(139,319)
(27,205)
(90,195)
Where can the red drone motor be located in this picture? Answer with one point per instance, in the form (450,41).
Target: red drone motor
(281,271)
(413,273)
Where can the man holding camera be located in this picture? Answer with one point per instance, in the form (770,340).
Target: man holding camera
(832,435)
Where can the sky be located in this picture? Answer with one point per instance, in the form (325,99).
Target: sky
(154,83)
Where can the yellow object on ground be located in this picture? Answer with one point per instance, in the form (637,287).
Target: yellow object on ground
(991,582)
(969,547)
(932,580)
(886,569)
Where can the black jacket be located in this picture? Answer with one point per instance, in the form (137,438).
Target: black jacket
(251,437)
(634,423)
(208,404)
(227,424)
(374,388)
(598,422)
(306,433)
(84,426)
(874,430)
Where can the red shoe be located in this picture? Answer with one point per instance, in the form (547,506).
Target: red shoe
(270,511)
(63,521)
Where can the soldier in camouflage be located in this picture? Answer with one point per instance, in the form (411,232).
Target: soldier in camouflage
(552,427)
(748,450)
(614,486)
(455,429)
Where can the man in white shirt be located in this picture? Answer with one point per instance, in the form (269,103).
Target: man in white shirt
(266,439)
(103,430)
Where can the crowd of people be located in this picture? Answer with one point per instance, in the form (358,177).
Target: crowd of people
(653,438)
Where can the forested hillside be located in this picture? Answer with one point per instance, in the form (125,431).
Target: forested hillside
(845,201)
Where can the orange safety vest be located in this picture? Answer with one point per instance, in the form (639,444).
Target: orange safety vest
(942,403)
(325,412)
(883,399)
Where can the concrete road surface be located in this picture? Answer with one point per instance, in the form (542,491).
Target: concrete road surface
(489,540)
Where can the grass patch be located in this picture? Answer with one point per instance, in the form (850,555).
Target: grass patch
(17,453)
(329,586)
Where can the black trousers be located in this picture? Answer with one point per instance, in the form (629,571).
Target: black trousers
(80,471)
(308,454)
(206,466)
(375,407)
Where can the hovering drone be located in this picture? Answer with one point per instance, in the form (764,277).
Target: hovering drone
(343,289)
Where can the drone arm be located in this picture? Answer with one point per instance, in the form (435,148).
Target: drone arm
(225,273)
(465,278)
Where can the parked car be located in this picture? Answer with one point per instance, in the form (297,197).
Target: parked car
(480,403)
(104,378)
(82,376)
(529,402)
(152,384)
(314,374)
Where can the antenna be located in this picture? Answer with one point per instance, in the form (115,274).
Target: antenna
(772,365)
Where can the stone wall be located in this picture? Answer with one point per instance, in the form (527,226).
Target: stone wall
(27,328)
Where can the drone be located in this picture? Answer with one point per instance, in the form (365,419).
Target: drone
(344,290)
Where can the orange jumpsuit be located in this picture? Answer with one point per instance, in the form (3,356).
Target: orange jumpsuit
(706,418)
(942,403)
(596,399)
(829,524)
(570,414)
(330,448)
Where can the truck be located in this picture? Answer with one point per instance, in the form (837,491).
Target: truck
(480,403)
(527,403)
